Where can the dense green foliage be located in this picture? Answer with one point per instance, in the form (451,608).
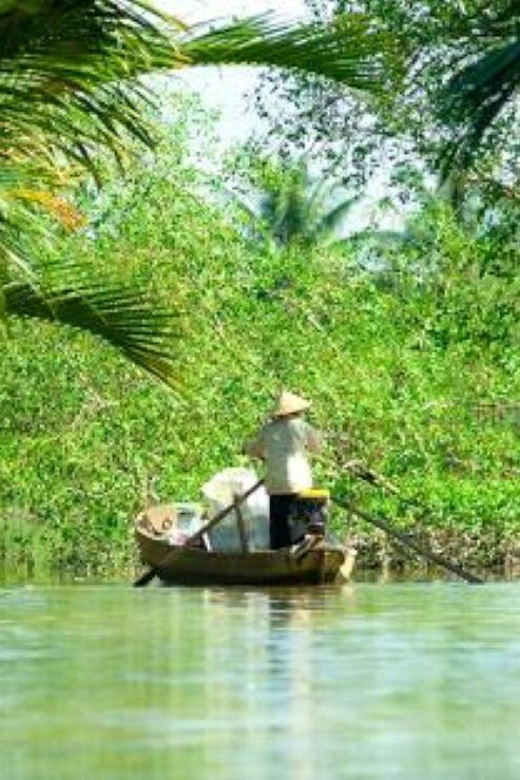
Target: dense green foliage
(72,93)
(407,342)
(411,358)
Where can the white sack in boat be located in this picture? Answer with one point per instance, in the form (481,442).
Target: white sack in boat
(220,491)
(188,519)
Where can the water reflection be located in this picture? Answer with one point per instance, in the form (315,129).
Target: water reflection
(403,681)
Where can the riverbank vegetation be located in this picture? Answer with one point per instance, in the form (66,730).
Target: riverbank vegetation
(406,340)
(409,348)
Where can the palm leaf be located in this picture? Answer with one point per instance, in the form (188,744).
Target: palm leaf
(346,50)
(331,220)
(69,71)
(66,72)
(122,316)
(473,100)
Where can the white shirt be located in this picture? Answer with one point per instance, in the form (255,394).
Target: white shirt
(283,443)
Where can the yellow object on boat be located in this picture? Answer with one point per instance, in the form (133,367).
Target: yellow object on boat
(317,493)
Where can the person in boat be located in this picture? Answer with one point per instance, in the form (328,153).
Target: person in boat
(284,444)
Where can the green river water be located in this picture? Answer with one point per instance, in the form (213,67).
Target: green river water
(407,681)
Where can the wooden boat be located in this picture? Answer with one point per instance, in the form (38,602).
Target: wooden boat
(311,562)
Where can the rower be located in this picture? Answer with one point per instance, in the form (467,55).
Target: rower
(284,444)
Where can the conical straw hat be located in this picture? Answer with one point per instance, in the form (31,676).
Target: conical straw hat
(289,403)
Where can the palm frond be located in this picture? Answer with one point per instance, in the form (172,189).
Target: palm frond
(331,220)
(122,316)
(68,70)
(346,50)
(291,205)
(69,89)
(473,100)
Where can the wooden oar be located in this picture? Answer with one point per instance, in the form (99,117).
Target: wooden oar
(379,481)
(385,526)
(358,469)
(153,572)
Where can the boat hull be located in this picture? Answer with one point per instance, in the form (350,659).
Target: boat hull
(194,566)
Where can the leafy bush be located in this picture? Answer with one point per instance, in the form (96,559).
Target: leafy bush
(407,376)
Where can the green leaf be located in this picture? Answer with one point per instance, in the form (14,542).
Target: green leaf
(125,317)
